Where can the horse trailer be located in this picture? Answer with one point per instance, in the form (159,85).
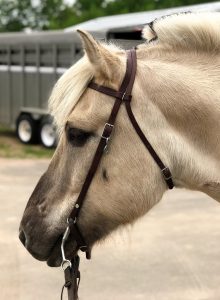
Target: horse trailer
(29,66)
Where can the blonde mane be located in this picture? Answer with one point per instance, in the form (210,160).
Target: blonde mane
(68,90)
(186,31)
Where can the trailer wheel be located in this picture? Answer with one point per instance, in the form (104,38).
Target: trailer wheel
(48,136)
(26,129)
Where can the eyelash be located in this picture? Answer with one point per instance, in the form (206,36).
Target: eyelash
(77,137)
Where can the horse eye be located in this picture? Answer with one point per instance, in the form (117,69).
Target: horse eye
(77,137)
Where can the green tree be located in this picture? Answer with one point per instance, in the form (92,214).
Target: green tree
(15,15)
(56,14)
(89,9)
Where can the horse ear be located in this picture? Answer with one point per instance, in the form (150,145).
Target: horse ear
(105,63)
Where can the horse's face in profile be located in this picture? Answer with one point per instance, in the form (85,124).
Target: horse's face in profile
(127,182)
(175,99)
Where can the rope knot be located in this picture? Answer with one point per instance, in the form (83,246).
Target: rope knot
(67,284)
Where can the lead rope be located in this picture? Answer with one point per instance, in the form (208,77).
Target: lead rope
(72,279)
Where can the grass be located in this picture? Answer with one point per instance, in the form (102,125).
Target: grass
(11,147)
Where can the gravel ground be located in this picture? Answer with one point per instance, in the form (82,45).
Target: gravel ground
(171,254)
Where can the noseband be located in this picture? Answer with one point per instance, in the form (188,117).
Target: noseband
(123,95)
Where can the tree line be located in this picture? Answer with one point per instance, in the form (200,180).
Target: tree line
(16,15)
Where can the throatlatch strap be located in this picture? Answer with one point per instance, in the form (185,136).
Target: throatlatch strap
(164,170)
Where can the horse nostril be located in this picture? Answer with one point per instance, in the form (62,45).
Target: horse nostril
(22,237)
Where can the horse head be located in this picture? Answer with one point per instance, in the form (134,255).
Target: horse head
(175,99)
(127,183)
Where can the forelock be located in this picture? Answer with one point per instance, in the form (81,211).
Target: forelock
(68,90)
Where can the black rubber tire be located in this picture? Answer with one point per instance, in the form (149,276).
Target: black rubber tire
(27,129)
(47,133)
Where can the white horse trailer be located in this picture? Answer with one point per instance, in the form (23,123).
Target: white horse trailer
(29,66)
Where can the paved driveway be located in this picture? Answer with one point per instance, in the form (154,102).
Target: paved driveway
(171,254)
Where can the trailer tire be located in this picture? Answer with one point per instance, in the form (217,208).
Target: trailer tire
(48,136)
(27,129)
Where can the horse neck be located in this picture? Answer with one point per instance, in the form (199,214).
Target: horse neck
(183,99)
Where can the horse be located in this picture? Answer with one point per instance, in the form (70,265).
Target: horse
(176,101)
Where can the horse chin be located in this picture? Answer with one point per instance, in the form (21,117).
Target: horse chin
(55,257)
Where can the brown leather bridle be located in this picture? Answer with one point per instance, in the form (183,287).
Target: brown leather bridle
(123,95)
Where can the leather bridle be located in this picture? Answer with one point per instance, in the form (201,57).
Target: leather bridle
(123,95)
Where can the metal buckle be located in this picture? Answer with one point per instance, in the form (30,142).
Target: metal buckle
(129,96)
(166,173)
(106,138)
(122,99)
(106,125)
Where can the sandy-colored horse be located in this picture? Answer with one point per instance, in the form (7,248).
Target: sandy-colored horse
(176,100)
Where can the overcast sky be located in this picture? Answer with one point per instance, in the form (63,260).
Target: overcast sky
(69,1)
